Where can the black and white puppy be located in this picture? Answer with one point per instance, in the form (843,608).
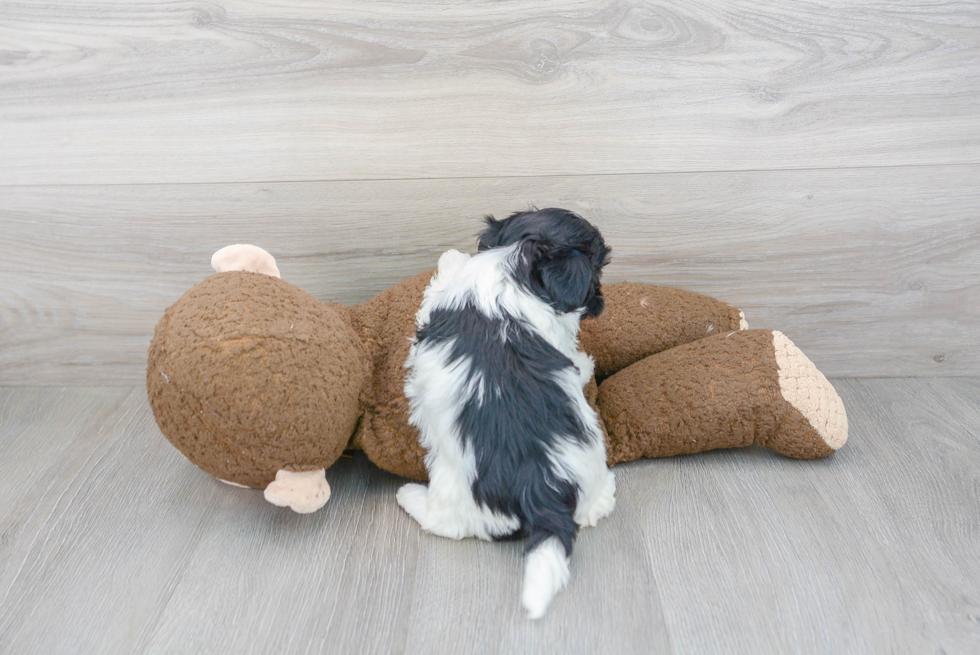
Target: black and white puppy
(495,385)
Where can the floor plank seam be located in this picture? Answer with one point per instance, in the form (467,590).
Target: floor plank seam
(718,171)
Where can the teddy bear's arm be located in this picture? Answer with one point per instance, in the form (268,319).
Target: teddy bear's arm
(642,319)
(744,388)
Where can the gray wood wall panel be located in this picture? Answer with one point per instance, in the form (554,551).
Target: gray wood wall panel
(110,541)
(234,90)
(873,272)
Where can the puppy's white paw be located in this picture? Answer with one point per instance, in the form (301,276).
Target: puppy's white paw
(414,499)
(601,506)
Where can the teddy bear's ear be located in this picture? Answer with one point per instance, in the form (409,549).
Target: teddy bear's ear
(490,237)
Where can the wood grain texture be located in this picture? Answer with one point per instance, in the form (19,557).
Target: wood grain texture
(111,542)
(871,271)
(233,90)
(265,580)
(467,597)
(93,559)
(805,557)
(91,563)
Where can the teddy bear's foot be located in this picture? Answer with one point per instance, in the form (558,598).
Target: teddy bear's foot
(244,257)
(804,387)
(302,491)
(735,389)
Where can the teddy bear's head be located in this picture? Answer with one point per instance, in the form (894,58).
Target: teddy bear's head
(248,375)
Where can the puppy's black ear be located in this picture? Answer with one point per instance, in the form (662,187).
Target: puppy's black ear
(490,237)
(567,280)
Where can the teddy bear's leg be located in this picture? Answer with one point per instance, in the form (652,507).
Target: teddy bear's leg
(301,491)
(739,389)
(244,257)
(641,320)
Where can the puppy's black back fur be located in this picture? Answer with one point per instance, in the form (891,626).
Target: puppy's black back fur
(522,414)
(515,421)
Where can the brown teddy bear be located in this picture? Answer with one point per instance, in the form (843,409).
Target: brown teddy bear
(261,385)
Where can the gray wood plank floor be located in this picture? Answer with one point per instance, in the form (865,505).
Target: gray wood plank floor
(111,542)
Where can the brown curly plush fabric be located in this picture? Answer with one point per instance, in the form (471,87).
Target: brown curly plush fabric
(386,323)
(719,392)
(637,321)
(248,374)
(641,320)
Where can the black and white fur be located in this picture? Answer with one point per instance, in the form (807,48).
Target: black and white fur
(495,385)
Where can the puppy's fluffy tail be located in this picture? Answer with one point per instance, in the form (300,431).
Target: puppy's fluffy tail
(545,573)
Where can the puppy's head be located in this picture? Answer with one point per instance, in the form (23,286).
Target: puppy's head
(561,256)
